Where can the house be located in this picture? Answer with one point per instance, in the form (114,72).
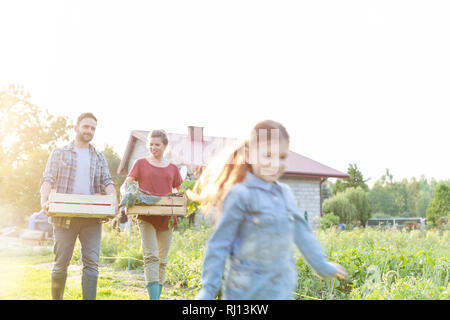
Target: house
(189,151)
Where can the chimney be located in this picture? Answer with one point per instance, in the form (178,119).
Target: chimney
(195,133)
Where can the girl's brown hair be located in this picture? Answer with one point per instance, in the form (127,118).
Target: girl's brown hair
(223,172)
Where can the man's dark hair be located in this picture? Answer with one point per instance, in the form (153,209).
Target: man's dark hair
(85,115)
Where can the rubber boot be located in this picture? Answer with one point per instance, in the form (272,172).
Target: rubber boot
(160,289)
(89,287)
(153,290)
(58,285)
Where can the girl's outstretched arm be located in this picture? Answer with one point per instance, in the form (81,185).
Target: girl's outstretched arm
(219,245)
(312,250)
(307,242)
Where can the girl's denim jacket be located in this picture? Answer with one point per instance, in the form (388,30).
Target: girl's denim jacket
(253,244)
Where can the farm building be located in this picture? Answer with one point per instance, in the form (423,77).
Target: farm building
(192,150)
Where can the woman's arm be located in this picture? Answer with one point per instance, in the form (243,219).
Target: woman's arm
(128,180)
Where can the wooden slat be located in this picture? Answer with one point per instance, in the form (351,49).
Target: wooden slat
(156,210)
(81,198)
(171,201)
(81,215)
(80,208)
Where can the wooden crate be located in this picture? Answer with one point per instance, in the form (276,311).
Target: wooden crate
(80,205)
(167,206)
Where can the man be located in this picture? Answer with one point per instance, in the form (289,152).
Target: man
(77,168)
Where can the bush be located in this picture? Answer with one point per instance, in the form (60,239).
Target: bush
(340,206)
(439,208)
(328,220)
(382,264)
(360,199)
(352,206)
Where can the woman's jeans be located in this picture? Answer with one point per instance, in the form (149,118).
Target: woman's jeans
(155,248)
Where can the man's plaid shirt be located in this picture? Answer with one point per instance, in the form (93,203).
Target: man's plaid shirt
(60,172)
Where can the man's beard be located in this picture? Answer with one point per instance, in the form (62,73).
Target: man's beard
(84,137)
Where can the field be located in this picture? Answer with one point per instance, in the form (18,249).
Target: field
(382,264)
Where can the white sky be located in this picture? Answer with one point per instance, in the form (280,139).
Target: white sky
(365,82)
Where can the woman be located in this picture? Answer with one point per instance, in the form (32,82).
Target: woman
(158,177)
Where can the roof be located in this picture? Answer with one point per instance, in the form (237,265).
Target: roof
(301,165)
(181,147)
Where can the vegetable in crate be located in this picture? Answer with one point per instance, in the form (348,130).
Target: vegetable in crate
(135,195)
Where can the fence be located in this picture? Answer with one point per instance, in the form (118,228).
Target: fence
(395,222)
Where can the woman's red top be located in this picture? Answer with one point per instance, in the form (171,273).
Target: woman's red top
(159,182)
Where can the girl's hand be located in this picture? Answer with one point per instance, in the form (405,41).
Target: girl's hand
(340,273)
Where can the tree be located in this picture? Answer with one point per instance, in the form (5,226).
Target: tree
(25,127)
(360,199)
(27,135)
(354,180)
(394,198)
(404,198)
(326,190)
(340,206)
(382,200)
(439,208)
(422,203)
(113,160)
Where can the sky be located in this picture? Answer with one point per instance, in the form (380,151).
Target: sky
(364,82)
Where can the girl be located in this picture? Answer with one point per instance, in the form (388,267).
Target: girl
(157,176)
(257,221)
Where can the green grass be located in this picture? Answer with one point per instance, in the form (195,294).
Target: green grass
(382,264)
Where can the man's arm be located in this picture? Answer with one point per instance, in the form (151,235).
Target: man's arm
(45,190)
(48,180)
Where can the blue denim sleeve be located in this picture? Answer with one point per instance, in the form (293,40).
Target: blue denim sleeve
(219,244)
(311,248)
(308,244)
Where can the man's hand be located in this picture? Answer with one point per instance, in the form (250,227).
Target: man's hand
(45,206)
(46,187)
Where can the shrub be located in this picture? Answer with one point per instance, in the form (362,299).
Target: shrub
(360,199)
(328,220)
(439,208)
(340,206)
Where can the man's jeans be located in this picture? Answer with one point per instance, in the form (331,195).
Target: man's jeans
(89,231)
(155,246)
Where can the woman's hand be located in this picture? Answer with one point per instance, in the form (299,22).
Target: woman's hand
(341,272)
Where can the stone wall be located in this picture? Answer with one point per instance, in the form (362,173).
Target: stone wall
(307,193)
